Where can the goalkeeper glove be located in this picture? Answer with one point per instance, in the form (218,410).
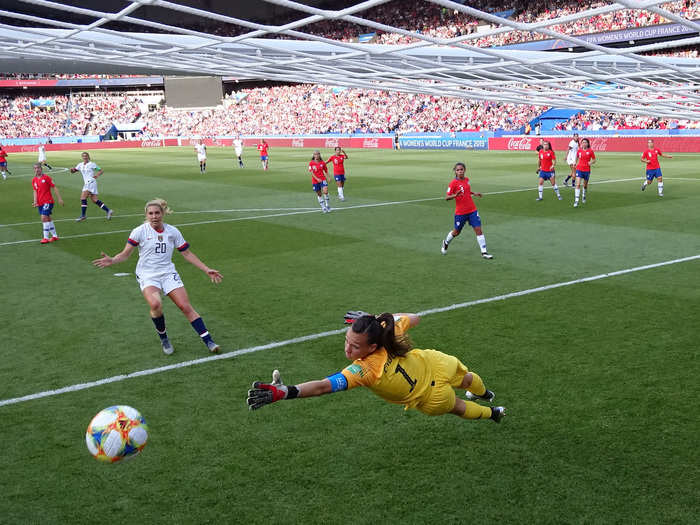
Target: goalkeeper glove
(265,393)
(353,315)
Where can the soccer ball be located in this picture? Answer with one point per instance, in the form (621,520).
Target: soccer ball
(116,433)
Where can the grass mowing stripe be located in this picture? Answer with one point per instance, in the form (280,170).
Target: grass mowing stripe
(320,335)
(301,211)
(236,219)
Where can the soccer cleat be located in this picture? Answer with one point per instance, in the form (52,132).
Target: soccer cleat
(328,209)
(45,241)
(443,250)
(583,201)
(53,239)
(109,214)
(560,197)
(81,218)
(487,396)
(486,255)
(341,198)
(498,413)
(576,204)
(661,194)
(167,346)
(644,186)
(212,346)
(538,199)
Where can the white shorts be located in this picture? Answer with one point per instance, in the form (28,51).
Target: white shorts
(166,282)
(91,186)
(239,152)
(570,160)
(201,158)
(42,158)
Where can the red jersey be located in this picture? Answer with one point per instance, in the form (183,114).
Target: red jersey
(3,155)
(318,170)
(338,166)
(42,185)
(547,158)
(464,204)
(262,148)
(652,155)
(584,157)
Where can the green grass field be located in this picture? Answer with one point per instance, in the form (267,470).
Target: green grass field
(597,376)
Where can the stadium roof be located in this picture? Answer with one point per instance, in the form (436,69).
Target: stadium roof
(625,80)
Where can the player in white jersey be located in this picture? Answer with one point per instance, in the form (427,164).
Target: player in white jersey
(201,150)
(156,272)
(42,156)
(571,159)
(238,146)
(90,171)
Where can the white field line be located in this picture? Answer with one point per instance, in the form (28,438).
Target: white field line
(297,211)
(23,174)
(235,219)
(320,335)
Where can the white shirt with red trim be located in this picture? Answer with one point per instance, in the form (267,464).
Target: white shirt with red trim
(156,249)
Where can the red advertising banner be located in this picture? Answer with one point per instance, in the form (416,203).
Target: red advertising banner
(301,142)
(669,144)
(28,83)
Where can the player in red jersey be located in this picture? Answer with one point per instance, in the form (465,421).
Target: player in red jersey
(651,158)
(262,148)
(3,163)
(339,170)
(319,183)
(545,169)
(42,186)
(465,210)
(586,157)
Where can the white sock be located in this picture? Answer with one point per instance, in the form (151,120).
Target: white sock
(661,188)
(325,198)
(577,194)
(321,202)
(52,229)
(583,193)
(556,189)
(482,242)
(539,190)
(340,193)
(47,231)
(449,237)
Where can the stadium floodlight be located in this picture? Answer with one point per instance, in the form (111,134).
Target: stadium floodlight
(620,80)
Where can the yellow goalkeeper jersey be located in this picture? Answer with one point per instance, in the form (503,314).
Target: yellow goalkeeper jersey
(402,379)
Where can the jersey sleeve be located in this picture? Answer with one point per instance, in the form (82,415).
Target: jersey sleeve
(180,241)
(49,180)
(401,325)
(450,188)
(136,236)
(592,154)
(365,372)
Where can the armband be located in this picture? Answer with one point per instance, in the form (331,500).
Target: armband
(338,382)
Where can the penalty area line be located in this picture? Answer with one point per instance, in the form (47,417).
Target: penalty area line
(321,335)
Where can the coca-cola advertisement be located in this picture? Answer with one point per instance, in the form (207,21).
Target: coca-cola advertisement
(607,143)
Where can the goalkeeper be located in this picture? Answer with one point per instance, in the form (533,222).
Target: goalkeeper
(384,360)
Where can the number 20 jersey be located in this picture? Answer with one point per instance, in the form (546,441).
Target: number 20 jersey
(403,380)
(156,249)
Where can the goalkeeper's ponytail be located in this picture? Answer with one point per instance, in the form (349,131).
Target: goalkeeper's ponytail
(380,330)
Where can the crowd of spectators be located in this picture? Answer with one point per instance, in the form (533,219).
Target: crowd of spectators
(319,109)
(288,110)
(440,22)
(597,120)
(90,114)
